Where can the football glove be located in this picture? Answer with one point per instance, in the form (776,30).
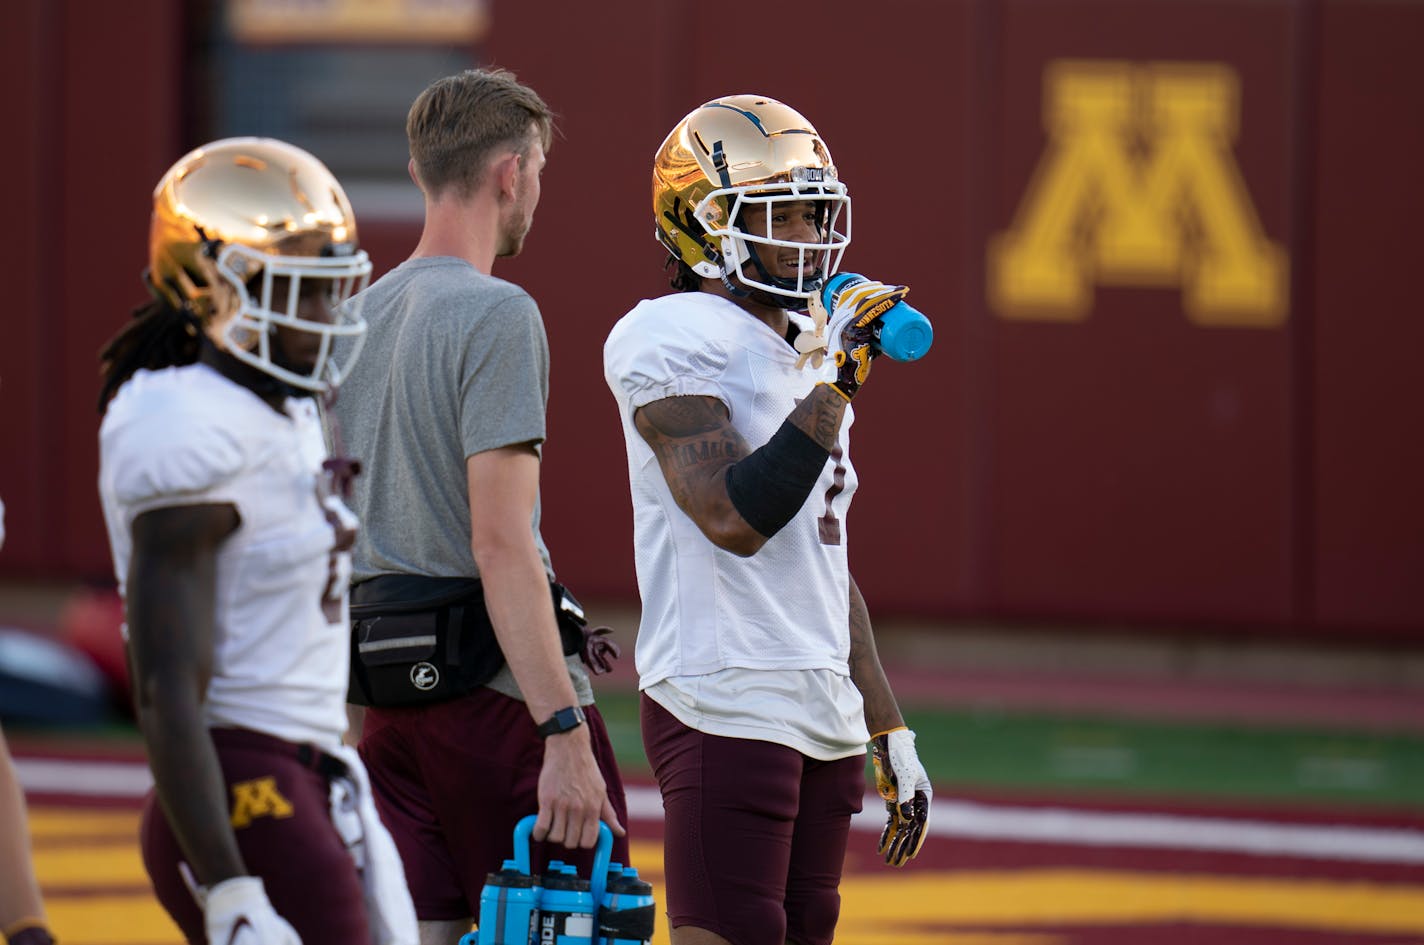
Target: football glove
(850,332)
(599,650)
(902,782)
(237,912)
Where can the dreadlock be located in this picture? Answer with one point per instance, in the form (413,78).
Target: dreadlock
(683,279)
(159,336)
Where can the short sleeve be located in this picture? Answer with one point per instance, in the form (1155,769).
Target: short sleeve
(170,457)
(650,356)
(504,377)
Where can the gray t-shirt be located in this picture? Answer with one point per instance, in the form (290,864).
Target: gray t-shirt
(455,363)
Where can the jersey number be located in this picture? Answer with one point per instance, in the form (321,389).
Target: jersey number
(830,525)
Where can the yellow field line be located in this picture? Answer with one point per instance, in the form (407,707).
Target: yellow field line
(915,907)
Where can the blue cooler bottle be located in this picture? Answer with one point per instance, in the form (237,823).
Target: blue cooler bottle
(568,905)
(901,334)
(628,912)
(509,902)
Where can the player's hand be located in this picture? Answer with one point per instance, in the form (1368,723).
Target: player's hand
(855,308)
(237,912)
(902,782)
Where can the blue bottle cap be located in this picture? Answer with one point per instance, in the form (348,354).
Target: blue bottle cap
(905,334)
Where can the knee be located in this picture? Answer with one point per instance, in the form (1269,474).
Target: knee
(811,919)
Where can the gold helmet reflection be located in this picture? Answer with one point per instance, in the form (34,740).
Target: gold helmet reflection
(738,151)
(237,226)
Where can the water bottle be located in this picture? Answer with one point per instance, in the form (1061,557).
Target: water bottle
(901,334)
(509,902)
(628,912)
(509,909)
(566,909)
(568,905)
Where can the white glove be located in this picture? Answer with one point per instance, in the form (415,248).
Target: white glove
(903,783)
(237,912)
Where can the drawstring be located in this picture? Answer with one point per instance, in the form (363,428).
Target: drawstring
(341,469)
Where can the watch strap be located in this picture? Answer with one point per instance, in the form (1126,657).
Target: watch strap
(564,720)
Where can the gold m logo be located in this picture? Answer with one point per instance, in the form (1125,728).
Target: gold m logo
(258,798)
(1138,187)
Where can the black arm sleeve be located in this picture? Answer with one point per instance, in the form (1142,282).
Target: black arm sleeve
(768,487)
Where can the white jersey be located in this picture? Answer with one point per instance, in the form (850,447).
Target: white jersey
(189,436)
(752,647)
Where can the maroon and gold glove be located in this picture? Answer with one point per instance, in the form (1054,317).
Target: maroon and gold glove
(855,306)
(598,653)
(903,783)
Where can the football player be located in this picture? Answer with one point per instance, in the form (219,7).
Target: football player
(760,680)
(230,545)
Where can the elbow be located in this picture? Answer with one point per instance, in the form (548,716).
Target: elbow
(490,547)
(737,537)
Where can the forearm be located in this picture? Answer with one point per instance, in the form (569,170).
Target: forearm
(819,415)
(881,711)
(522,612)
(189,783)
(19,893)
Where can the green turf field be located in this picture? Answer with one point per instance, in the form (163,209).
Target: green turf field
(1125,757)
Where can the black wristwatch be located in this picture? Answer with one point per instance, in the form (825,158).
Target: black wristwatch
(564,720)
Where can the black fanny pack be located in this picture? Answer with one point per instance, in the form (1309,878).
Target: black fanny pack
(417,640)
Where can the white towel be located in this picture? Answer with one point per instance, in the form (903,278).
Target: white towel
(353,810)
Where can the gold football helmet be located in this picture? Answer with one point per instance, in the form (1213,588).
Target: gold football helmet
(737,151)
(238,225)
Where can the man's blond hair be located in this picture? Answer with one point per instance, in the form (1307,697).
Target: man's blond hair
(458,122)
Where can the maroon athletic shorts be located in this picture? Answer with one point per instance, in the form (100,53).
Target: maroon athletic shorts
(452,779)
(755,832)
(281,814)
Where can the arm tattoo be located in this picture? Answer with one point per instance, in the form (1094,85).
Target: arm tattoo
(682,416)
(694,442)
(819,415)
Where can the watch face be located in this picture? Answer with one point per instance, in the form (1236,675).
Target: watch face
(562,721)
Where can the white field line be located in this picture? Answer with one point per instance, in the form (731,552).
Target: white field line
(949,819)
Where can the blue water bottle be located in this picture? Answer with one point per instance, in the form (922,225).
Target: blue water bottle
(509,902)
(628,913)
(901,334)
(568,905)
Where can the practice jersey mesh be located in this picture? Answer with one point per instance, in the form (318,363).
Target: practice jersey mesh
(784,610)
(189,436)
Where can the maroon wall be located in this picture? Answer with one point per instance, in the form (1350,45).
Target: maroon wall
(1130,460)
(1366,455)
(1143,462)
(98,122)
